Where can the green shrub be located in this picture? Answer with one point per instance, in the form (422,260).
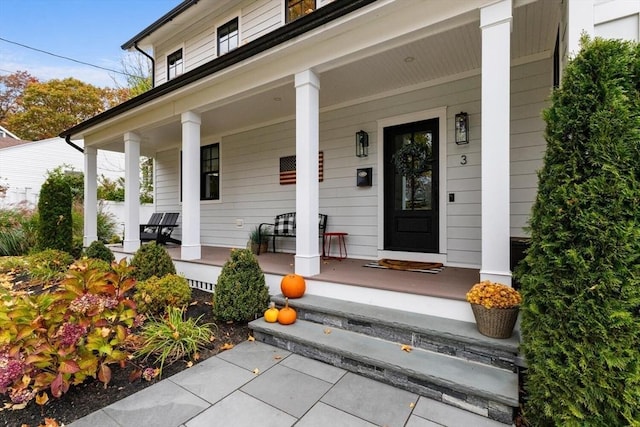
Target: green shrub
(173,338)
(18,231)
(99,250)
(50,264)
(241,293)
(13,263)
(581,276)
(155,295)
(54,207)
(152,260)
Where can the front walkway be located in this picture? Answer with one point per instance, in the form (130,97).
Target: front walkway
(255,384)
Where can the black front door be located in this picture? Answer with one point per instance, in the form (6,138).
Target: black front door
(411,187)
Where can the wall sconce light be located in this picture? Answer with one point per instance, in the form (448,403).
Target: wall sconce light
(362,144)
(462,128)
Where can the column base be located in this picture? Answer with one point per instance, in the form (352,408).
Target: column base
(131,245)
(190,252)
(503,277)
(307,265)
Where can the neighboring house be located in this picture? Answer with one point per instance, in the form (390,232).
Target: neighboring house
(24,166)
(6,137)
(241,86)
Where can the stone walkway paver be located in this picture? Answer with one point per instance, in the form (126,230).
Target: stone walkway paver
(255,384)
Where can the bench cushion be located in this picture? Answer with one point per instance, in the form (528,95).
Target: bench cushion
(285,225)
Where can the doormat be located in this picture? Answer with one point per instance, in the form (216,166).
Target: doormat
(420,267)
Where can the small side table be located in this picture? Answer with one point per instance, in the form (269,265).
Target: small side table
(326,245)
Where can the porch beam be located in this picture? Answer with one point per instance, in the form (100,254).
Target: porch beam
(307,259)
(191,247)
(495,23)
(90,196)
(131,192)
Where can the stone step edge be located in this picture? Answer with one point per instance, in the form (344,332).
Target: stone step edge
(454,330)
(344,343)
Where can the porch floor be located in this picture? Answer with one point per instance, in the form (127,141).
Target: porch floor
(451,283)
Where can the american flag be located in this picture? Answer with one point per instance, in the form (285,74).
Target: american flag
(288,169)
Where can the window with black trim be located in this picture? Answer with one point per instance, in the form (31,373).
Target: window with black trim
(299,8)
(228,37)
(210,172)
(174,64)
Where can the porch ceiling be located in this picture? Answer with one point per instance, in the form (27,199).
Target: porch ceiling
(453,50)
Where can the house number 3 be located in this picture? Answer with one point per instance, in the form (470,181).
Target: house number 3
(463,159)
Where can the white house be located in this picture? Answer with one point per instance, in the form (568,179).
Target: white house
(243,85)
(24,166)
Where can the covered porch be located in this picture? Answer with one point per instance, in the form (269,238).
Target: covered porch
(441,293)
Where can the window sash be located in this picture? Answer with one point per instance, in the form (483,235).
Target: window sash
(210,172)
(228,37)
(299,8)
(174,64)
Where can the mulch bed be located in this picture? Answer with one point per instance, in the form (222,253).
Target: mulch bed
(90,396)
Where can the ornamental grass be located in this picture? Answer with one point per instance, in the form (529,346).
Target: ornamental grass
(494,295)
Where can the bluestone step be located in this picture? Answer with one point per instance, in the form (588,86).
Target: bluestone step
(482,389)
(448,336)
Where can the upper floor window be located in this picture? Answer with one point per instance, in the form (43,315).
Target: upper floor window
(228,37)
(299,8)
(210,172)
(174,64)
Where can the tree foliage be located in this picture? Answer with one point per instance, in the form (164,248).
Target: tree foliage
(47,108)
(12,86)
(581,276)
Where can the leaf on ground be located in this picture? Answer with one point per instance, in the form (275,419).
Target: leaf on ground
(212,338)
(42,398)
(19,406)
(136,374)
(193,303)
(226,346)
(327,331)
(251,338)
(405,347)
(256,371)
(49,422)
(196,356)
(277,357)
(189,364)
(412,405)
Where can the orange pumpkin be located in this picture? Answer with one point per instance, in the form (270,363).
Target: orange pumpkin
(293,286)
(271,314)
(286,315)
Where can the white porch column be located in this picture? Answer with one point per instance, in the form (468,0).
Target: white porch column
(131,192)
(191,248)
(495,22)
(579,19)
(90,196)
(307,188)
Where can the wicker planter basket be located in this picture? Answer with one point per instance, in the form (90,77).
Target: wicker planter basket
(495,322)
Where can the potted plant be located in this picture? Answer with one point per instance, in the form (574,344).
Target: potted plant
(256,239)
(495,307)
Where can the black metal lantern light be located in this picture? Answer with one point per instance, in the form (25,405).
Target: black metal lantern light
(462,128)
(362,144)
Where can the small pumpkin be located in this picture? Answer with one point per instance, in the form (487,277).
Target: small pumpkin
(271,314)
(293,286)
(286,315)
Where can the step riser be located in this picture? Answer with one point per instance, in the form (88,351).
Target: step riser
(475,404)
(489,356)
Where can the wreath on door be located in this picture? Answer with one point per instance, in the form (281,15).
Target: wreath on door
(411,160)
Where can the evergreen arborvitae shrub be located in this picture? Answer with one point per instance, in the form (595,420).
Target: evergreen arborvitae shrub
(99,250)
(581,276)
(150,260)
(54,208)
(241,293)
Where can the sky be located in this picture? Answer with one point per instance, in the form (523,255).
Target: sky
(89,31)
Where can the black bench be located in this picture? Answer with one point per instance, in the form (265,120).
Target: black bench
(161,230)
(284,225)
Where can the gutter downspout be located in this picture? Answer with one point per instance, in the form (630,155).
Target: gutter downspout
(153,64)
(68,141)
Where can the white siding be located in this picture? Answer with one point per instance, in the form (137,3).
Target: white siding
(259,18)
